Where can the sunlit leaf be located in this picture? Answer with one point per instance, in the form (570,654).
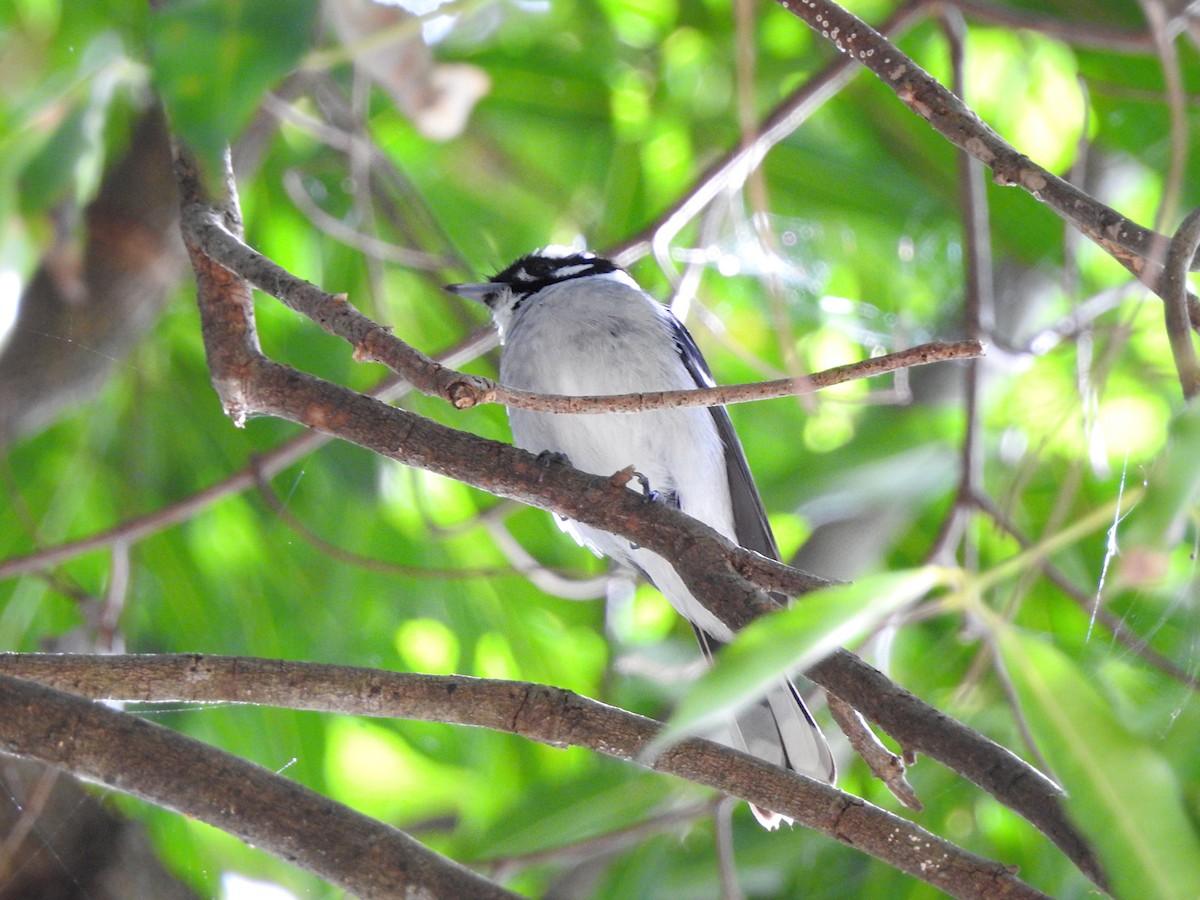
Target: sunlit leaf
(1156,525)
(1120,792)
(793,639)
(213,59)
(376,769)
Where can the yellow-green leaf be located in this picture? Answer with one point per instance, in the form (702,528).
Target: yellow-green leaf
(794,639)
(1155,526)
(1124,796)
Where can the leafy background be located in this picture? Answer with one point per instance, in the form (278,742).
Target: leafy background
(600,117)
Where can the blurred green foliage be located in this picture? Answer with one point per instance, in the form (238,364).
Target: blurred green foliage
(600,117)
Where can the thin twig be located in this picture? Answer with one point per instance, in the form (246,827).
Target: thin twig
(1181,251)
(370,246)
(883,763)
(1076,31)
(1009,690)
(1164,44)
(371,563)
(730,172)
(723,841)
(32,805)
(605,844)
(978,283)
(722,395)
(1086,601)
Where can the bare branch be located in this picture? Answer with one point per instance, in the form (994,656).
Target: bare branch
(1137,248)
(1163,31)
(607,843)
(203,228)
(1087,601)
(1075,31)
(920,728)
(293,183)
(1181,251)
(375,342)
(725,394)
(730,172)
(359,854)
(541,713)
(883,763)
(265,465)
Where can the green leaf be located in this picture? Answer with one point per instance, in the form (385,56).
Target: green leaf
(1121,793)
(69,163)
(794,638)
(1156,525)
(212,60)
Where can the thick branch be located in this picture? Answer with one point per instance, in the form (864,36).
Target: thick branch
(921,728)
(359,854)
(541,713)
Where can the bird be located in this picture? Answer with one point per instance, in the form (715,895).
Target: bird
(572,322)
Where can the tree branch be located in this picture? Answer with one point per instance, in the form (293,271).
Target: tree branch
(921,728)
(1139,249)
(265,465)
(353,851)
(1175,294)
(726,394)
(376,343)
(541,713)
(730,172)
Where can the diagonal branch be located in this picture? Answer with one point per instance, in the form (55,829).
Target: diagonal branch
(1138,249)
(921,728)
(129,754)
(376,343)
(1182,249)
(731,171)
(264,466)
(549,715)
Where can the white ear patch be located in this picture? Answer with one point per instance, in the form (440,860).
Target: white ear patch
(569,271)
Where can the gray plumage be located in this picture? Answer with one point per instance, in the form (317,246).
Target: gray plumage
(573,323)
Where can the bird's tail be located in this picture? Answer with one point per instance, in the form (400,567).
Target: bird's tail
(780,730)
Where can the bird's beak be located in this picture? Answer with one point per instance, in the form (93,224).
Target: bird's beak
(484,293)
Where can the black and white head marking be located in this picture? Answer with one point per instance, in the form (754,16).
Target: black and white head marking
(508,289)
(540,269)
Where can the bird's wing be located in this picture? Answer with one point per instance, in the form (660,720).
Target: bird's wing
(749,518)
(778,728)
